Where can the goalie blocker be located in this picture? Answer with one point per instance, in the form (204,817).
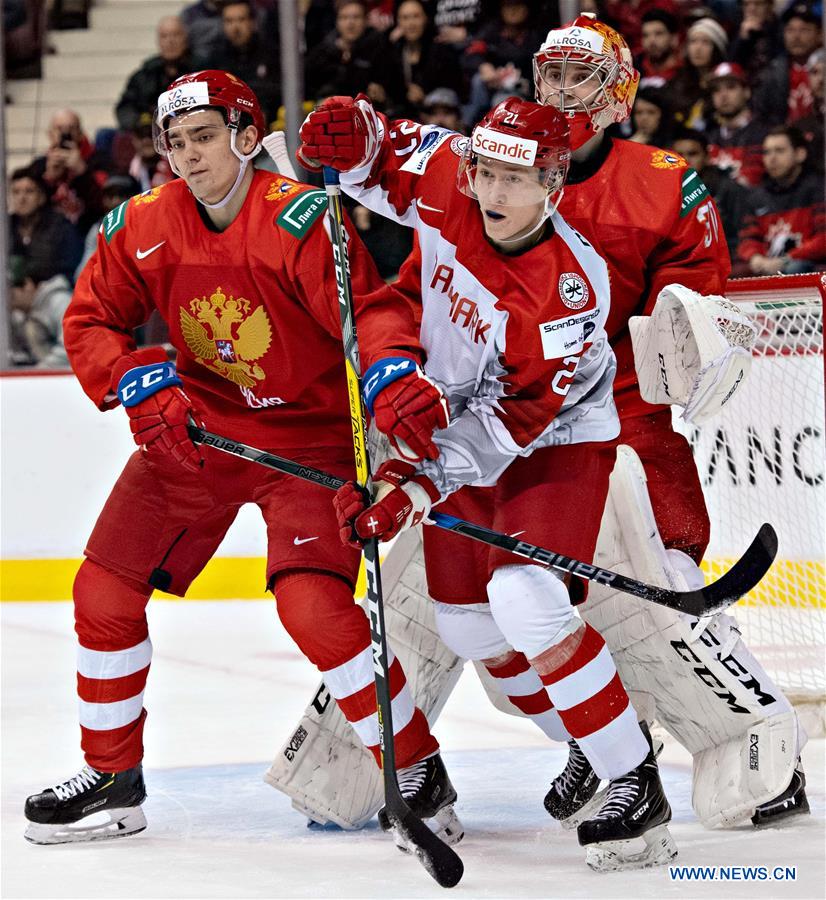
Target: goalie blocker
(744,752)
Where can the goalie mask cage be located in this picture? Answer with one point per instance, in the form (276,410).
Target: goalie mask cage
(762,460)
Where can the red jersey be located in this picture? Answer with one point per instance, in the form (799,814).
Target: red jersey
(652,219)
(252,311)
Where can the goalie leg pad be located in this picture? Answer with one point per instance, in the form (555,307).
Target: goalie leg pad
(707,689)
(323,766)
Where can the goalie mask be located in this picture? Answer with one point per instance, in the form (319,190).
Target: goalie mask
(177,117)
(517,156)
(587,72)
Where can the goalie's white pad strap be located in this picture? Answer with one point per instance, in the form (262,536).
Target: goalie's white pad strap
(692,350)
(323,766)
(707,689)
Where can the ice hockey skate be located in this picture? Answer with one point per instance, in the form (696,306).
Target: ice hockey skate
(573,796)
(428,792)
(91,806)
(792,802)
(630,830)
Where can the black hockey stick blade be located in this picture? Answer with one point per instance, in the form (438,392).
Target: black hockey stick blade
(718,595)
(744,575)
(439,860)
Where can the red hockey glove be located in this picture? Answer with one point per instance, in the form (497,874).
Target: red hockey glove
(406,406)
(341,132)
(403,499)
(150,390)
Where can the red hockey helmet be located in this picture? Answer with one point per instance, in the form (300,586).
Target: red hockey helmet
(519,133)
(210,88)
(586,70)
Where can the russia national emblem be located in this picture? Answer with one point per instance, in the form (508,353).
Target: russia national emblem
(662,159)
(223,333)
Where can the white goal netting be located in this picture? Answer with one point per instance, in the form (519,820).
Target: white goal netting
(762,460)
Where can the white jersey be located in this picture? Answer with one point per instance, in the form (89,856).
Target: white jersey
(517,342)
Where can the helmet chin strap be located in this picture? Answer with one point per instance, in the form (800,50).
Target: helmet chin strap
(244,159)
(549,208)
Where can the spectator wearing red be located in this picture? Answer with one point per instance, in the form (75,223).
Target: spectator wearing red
(736,138)
(784,229)
(72,171)
(783,93)
(660,59)
(757,40)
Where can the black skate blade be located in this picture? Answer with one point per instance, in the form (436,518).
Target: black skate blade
(439,860)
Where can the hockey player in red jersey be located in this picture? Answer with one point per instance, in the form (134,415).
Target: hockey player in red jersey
(654,222)
(513,307)
(238,264)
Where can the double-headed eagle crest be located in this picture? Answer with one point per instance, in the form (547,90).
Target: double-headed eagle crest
(225,336)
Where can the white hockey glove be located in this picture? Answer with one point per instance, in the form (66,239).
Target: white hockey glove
(693,351)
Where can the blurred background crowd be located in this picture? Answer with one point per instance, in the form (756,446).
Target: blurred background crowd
(734,86)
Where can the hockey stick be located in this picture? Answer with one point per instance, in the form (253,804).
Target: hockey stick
(275,144)
(714,597)
(440,860)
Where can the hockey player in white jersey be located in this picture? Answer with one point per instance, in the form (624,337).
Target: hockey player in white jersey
(641,205)
(514,304)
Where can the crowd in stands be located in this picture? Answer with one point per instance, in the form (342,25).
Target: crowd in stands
(734,86)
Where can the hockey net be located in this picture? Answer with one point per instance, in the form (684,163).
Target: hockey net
(762,459)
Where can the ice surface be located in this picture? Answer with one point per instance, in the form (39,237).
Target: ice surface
(225,690)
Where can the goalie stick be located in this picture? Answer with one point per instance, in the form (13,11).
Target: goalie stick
(438,859)
(744,575)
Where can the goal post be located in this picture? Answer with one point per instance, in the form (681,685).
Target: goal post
(762,459)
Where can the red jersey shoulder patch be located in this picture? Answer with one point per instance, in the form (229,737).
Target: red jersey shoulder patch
(280,189)
(666,159)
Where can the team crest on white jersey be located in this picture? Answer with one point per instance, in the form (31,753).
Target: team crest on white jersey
(573,290)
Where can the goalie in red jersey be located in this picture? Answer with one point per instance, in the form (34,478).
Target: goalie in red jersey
(239,266)
(677,342)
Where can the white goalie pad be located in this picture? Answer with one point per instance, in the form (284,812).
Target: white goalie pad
(323,766)
(692,351)
(704,686)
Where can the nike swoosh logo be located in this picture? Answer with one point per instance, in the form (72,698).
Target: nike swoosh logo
(142,254)
(425,206)
(299,541)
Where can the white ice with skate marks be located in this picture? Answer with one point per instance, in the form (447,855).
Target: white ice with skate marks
(225,687)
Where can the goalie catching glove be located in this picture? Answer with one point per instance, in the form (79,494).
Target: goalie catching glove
(150,390)
(692,350)
(403,499)
(406,406)
(341,132)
